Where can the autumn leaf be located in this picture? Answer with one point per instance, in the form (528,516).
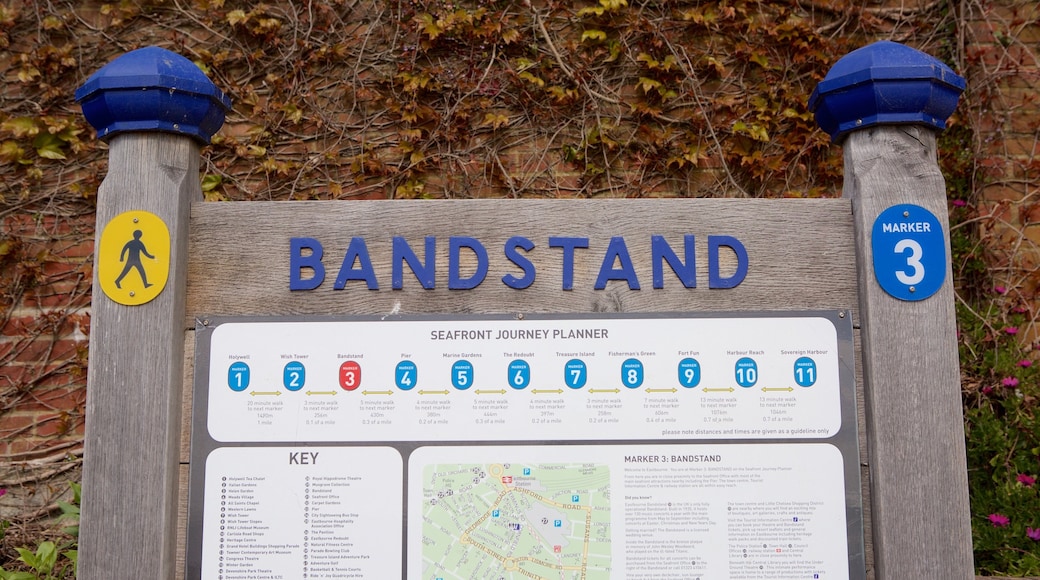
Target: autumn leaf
(429,26)
(236,17)
(756,132)
(21,127)
(760,60)
(495,120)
(647,85)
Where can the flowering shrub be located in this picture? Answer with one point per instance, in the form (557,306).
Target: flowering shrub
(1001,388)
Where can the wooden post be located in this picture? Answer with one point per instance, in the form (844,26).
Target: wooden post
(885,102)
(155,108)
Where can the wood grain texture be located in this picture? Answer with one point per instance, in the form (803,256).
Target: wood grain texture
(182,521)
(130,474)
(234,271)
(801,256)
(186,399)
(915,434)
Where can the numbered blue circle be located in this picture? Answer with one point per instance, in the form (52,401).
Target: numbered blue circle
(238,376)
(462,375)
(689,372)
(575,373)
(406,375)
(805,372)
(294,375)
(632,373)
(746,372)
(909,250)
(519,374)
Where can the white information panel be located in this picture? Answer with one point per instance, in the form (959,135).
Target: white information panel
(450,380)
(617,446)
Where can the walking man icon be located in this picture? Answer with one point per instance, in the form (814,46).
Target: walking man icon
(132,254)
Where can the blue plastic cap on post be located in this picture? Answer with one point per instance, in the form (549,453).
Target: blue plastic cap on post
(885,83)
(153,89)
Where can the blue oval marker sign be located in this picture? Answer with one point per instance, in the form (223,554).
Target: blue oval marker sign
(909,252)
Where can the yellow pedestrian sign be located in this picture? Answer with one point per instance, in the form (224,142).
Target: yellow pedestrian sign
(134,257)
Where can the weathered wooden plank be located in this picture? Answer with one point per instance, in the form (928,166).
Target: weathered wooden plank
(233,271)
(186,398)
(182,521)
(130,475)
(915,434)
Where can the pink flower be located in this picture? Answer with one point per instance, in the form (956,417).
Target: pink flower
(1011,330)
(1026,480)
(1000,289)
(1025,363)
(959,203)
(987,390)
(999,520)
(2,492)
(1033,534)
(1010,382)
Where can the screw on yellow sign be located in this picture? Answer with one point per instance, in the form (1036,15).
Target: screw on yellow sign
(134,257)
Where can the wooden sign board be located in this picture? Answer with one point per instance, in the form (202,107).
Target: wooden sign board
(408,262)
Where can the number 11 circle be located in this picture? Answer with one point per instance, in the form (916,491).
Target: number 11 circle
(805,372)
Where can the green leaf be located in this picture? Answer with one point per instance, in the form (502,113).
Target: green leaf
(532,79)
(72,556)
(26,556)
(592,11)
(650,61)
(49,146)
(595,35)
(68,509)
(211,181)
(43,560)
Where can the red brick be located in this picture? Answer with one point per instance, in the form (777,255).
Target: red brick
(11,424)
(76,250)
(22,446)
(62,268)
(17,326)
(1002,193)
(55,425)
(59,399)
(46,350)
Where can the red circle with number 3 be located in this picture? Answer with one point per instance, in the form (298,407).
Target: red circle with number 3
(349,375)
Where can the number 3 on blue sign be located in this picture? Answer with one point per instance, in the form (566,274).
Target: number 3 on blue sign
(909,250)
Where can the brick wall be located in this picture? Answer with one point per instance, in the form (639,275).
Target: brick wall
(44,325)
(1002,52)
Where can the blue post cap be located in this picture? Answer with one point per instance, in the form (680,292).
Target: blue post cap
(885,83)
(153,89)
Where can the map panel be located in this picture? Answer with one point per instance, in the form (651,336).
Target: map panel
(511,521)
